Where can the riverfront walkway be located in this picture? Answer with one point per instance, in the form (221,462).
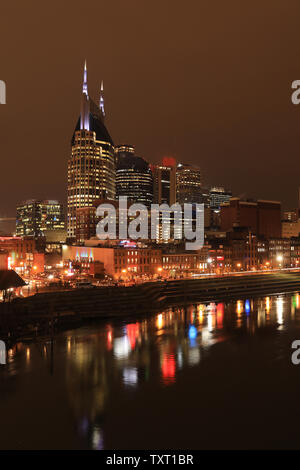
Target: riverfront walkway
(44,313)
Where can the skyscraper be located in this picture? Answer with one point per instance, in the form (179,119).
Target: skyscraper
(123,151)
(165,181)
(35,218)
(218,195)
(188,184)
(133,177)
(91,167)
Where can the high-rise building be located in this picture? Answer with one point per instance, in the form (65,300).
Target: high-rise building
(164,187)
(36,217)
(134,178)
(85,223)
(188,184)
(205,196)
(87,220)
(218,195)
(261,217)
(123,151)
(91,167)
(290,216)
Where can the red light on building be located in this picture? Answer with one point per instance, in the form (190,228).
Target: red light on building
(169,161)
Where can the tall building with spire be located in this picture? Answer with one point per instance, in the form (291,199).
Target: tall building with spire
(91,166)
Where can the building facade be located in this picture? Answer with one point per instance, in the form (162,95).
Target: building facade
(134,179)
(188,184)
(182,263)
(85,223)
(22,254)
(291,216)
(217,196)
(91,167)
(164,185)
(117,221)
(295,252)
(123,151)
(121,261)
(280,252)
(290,229)
(262,218)
(36,217)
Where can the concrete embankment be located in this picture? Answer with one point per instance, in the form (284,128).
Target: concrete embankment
(46,311)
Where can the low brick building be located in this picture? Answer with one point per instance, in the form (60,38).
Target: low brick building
(118,261)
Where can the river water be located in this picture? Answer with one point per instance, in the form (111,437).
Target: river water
(215,376)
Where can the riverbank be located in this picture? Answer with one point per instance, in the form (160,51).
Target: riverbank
(44,313)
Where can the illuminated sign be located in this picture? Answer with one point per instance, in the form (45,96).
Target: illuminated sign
(127,243)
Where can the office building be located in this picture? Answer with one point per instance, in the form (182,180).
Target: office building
(188,184)
(164,187)
(218,195)
(38,217)
(91,166)
(123,150)
(134,178)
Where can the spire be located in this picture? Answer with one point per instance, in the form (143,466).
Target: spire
(85,85)
(85,103)
(101,103)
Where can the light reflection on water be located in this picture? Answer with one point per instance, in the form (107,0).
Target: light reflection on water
(95,367)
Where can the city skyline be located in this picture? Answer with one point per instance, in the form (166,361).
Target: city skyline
(189,87)
(92,118)
(149,228)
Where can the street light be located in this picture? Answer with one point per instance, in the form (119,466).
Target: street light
(279,259)
(209,261)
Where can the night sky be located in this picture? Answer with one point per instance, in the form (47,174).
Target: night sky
(206,82)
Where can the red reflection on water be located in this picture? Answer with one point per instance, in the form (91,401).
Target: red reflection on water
(168,368)
(132,333)
(220,315)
